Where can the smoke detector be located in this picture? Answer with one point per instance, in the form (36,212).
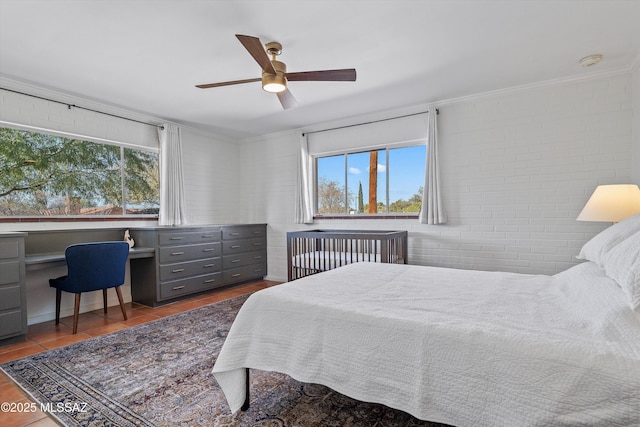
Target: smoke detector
(591,60)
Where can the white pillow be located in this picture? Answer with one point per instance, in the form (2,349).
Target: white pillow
(602,243)
(622,264)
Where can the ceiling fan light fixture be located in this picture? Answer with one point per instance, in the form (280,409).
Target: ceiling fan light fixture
(273,83)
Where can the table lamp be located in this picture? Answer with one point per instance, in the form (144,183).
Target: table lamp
(612,203)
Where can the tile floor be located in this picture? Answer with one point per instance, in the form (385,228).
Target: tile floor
(46,336)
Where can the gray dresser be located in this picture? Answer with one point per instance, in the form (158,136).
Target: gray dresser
(194,259)
(13,303)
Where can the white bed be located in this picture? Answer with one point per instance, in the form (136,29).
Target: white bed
(462,347)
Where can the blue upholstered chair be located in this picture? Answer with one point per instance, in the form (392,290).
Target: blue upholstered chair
(91,267)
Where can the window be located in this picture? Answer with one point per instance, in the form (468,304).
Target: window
(48,175)
(383,181)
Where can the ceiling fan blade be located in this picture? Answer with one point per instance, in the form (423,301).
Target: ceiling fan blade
(233,82)
(344,75)
(255,48)
(287,100)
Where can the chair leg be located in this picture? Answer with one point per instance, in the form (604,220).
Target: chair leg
(76,313)
(104,300)
(58,296)
(124,312)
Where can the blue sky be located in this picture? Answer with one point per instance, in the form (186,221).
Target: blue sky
(406,171)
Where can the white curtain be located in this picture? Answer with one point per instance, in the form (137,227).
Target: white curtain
(432,211)
(304,207)
(172,208)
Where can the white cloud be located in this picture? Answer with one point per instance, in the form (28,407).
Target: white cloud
(354,171)
(381,168)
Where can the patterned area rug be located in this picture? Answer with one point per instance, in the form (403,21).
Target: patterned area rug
(159,374)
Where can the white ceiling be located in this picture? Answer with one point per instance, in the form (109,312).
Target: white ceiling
(147,55)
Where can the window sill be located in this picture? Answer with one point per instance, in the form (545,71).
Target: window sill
(361,217)
(77,218)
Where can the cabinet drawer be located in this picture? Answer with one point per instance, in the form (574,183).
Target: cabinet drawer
(188,286)
(191,268)
(185,253)
(243,232)
(9,272)
(188,237)
(246,245)
(9,249)
(10,297)
(241,274)
(242,259)
(10,323)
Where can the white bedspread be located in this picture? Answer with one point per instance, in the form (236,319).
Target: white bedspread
(467,348)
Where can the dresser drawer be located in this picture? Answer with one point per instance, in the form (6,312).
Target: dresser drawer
(188,237)
(178,288)
(11,323)
(241,274)
(246,245)
(242,259)
(191,268)
(170,254)
(9,272)
(10,297)
(10,249)
(243,232)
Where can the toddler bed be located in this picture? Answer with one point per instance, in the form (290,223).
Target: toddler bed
(313,251)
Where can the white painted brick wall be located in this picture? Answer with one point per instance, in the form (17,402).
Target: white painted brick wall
(517,168)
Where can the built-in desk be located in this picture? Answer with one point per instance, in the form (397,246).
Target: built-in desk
(166,263)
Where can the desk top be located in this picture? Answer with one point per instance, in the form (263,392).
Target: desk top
(33,260)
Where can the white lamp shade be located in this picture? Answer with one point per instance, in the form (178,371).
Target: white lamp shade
(612,203)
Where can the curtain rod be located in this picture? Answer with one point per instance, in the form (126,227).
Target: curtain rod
(82,108)
(368,123)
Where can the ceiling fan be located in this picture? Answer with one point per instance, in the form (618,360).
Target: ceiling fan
(274,73)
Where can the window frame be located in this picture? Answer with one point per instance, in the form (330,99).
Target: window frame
(386,148)
(123,190)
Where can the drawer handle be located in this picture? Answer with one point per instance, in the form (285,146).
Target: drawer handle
(235,246)
(209,265)
(235,275)
(257,257)
(210,281)
(176,238)
(178,270)
(208,250)
(207,236)
(257,269)
(257,232)
(257,244)
(235,260)
(234,234)
(176,288)
(177,253)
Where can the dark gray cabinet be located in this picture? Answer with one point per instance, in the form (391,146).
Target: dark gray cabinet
(194,259)
(13,303)
(244,252)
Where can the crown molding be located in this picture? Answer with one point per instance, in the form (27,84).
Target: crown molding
(57,95)
(542,84)
(635,66)
(8,82)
